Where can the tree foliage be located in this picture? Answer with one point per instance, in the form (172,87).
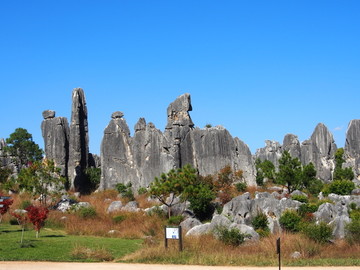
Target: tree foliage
(41,178)
(6,203)
(224,183)
(37,216)
(264,170)
(341,173)
(22,148)
(290,171)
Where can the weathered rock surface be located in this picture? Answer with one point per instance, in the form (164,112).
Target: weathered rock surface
(141,158)
(55,131)
(189,223)
(352,147)
(320,150)
(272,152)
(79,141)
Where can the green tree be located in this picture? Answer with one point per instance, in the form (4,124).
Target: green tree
(93,176)
(290,172)
(22,148)
(172,184)
(41,178)
(224,183)
(264,169)
(341,173)
(309,180)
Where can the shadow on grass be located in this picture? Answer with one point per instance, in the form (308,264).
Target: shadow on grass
(10,231)
(54,235)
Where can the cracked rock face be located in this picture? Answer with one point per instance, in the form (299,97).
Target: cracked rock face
(55,131)
(141,158)
(320,150)
(352,146)
(79,140)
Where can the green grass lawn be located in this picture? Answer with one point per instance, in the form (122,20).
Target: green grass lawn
(55,245)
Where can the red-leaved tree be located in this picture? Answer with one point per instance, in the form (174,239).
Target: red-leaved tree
(37,216)
(5,206)
(21,218)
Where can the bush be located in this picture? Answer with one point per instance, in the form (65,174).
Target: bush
(340,187)
(307,208)
(290,221)
(125,191)
(315,186)
(118,219)
(241,186)
(260,221)
(232,237)
(175,220)
(300,198)
(87,212)
(142,190)
(352,231)
(320,233)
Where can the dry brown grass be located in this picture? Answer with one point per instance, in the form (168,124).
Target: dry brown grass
(209,251)
(95,254)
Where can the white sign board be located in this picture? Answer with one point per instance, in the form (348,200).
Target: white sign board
(1,205)
(172,233)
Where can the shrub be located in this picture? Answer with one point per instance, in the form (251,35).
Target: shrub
(142,190)
(320,233)
(232,237)
(290,221)
(300,198)
(175,220)
(340,187)
(125,191)
(118,219)
(307,208)
(87,212)
(241,186)
(315,186)
(352,231)
(260,221)
(355,214)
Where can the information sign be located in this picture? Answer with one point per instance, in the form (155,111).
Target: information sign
(172,233)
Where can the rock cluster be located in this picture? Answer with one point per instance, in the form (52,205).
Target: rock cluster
(319,150)
(68,145)
(150,152)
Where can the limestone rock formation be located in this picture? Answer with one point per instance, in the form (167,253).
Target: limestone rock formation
(79,140)
(272,152)
(141,158)
(320,150)
(352,146)
(55,131)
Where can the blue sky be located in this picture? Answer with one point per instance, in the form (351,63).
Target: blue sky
(261,69)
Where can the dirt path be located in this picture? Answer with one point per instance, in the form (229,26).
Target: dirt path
(125,266)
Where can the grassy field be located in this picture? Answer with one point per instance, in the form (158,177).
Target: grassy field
(139,237)
(55,245)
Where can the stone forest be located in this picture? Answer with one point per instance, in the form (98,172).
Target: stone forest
(140,158)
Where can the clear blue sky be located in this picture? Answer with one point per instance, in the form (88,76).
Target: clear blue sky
(261,69)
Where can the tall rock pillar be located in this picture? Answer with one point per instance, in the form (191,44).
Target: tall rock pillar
(55,131)
(79,141)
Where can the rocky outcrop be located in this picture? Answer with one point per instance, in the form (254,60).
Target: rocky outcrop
(79,141)
(141,158)
(272,152)
(352,147)
(55,131)
(320,150)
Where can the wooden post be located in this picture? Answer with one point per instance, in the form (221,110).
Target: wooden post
(278,251)
(180,239)
(166,240)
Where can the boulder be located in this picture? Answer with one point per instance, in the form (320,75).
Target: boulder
(115,206)
(250,233)
(132,206)
(189,223)
(199,230)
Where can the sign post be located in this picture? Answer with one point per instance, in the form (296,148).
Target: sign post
(174,233)
(278,251)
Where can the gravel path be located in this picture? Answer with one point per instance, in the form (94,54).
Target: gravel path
(126,266)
